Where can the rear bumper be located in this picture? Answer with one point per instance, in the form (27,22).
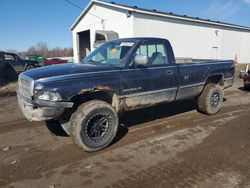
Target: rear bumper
(41,110)
(228,82)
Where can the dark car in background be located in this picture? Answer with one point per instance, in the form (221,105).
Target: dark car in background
(20,65)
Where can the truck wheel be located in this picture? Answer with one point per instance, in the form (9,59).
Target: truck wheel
(211,99)
(94,125)
(29,67)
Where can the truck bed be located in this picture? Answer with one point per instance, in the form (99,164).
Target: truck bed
(193,76)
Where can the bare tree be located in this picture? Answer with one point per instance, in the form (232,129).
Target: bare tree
(41,48)
(32,50)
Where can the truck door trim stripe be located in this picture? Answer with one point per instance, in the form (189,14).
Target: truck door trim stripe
(148,92)
(205,63)
(169,89)
(192,85)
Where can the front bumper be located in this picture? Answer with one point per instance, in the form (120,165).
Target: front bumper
(41,110)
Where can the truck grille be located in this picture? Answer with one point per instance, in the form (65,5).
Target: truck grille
(25,86)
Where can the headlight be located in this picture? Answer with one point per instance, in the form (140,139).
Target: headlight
(47,95)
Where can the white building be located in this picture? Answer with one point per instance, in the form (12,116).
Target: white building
(191,38)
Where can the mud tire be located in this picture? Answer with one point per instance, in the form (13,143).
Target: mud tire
(210,101)
(89,115)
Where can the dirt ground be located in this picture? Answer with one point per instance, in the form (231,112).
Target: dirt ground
(165,146)
(8,89)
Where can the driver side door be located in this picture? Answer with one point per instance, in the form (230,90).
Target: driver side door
(153,83)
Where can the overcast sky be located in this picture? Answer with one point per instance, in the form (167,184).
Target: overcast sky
(26,22)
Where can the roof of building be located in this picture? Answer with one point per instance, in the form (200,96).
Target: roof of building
(157,13)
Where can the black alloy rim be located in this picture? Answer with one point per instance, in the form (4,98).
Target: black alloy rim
(215,100)
(98,127)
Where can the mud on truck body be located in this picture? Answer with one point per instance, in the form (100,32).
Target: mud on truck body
(121,75)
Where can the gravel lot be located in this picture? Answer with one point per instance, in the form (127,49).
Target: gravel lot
(165,146)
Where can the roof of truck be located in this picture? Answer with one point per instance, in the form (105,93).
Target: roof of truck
(138,39)
(142,38)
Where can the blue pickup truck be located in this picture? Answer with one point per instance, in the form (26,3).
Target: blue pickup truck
(121,75)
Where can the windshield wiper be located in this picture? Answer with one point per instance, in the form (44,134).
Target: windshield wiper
(91,62)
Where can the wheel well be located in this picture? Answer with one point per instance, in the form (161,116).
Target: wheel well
(28,65)
(107,96)
(216,79)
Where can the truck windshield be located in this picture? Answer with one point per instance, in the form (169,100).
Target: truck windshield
(110,53)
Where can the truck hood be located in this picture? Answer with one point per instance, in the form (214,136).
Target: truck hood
(69,69)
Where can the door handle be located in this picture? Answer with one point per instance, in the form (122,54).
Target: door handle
(170,72)
(186,77)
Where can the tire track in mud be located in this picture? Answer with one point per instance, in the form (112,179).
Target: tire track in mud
(189,170)
(172,173)
(143,160)
(187,120)
(146,150)
(37,165)
(170,169)
(167,145)
(11,126)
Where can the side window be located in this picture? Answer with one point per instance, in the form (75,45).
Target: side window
(16,57)
(142,50)
(161,48)
(151,50)
(9,57)
(156,53)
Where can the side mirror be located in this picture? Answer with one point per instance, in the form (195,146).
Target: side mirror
(141,60)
